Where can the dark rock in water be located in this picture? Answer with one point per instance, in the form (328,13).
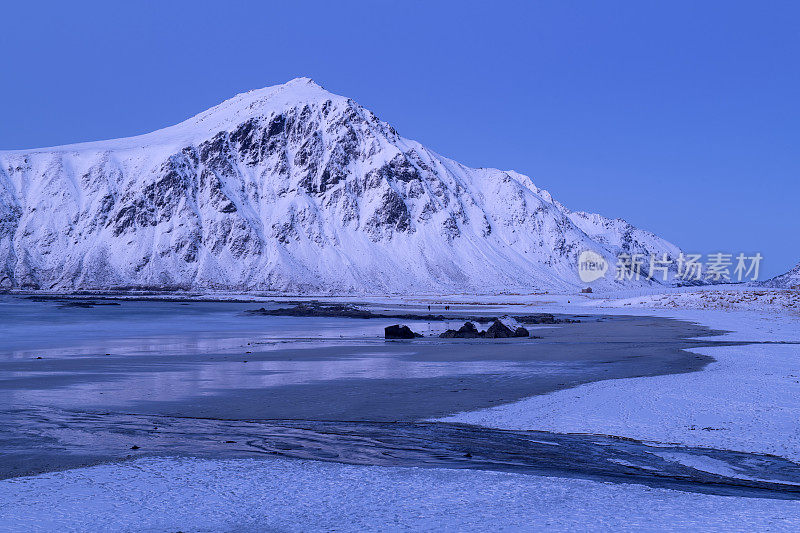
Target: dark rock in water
(467,331)
(522,332)
(399,332)
(544,318)
(319,309)
(82,305)
(538,318)
(498,330)
(315,309)
(66,304)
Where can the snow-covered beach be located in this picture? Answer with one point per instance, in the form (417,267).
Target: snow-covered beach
(288,495)
(744,401)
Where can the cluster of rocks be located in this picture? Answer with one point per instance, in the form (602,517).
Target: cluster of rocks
(497,330)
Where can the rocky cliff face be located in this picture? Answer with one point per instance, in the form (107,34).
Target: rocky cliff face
(293,189)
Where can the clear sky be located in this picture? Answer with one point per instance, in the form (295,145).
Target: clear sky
(682,117)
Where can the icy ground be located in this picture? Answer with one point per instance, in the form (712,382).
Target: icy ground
(729,298)
(748,400)
(273,495)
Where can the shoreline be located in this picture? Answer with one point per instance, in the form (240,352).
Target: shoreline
(744,401)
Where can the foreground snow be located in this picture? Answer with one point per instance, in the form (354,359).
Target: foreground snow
(274,494)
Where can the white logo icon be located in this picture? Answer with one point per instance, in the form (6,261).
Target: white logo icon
(591,266)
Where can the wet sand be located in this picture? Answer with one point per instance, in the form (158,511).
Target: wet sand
(566,356)
(357,377)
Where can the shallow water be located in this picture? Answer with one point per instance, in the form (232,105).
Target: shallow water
(116,355)
(429,445)
(80,385)
(49,328)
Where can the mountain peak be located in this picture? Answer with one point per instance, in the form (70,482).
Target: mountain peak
(261,102)
(300,87)
(303,80)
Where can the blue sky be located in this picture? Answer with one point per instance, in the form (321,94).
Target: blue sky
(681,117)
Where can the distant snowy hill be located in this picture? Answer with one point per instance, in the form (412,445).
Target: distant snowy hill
(288,188)
(785,281)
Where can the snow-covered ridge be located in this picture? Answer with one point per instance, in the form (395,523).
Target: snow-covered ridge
(788,280)
(288,188)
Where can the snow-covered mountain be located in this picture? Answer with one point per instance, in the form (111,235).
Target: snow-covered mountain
(288,188)
(788,280)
